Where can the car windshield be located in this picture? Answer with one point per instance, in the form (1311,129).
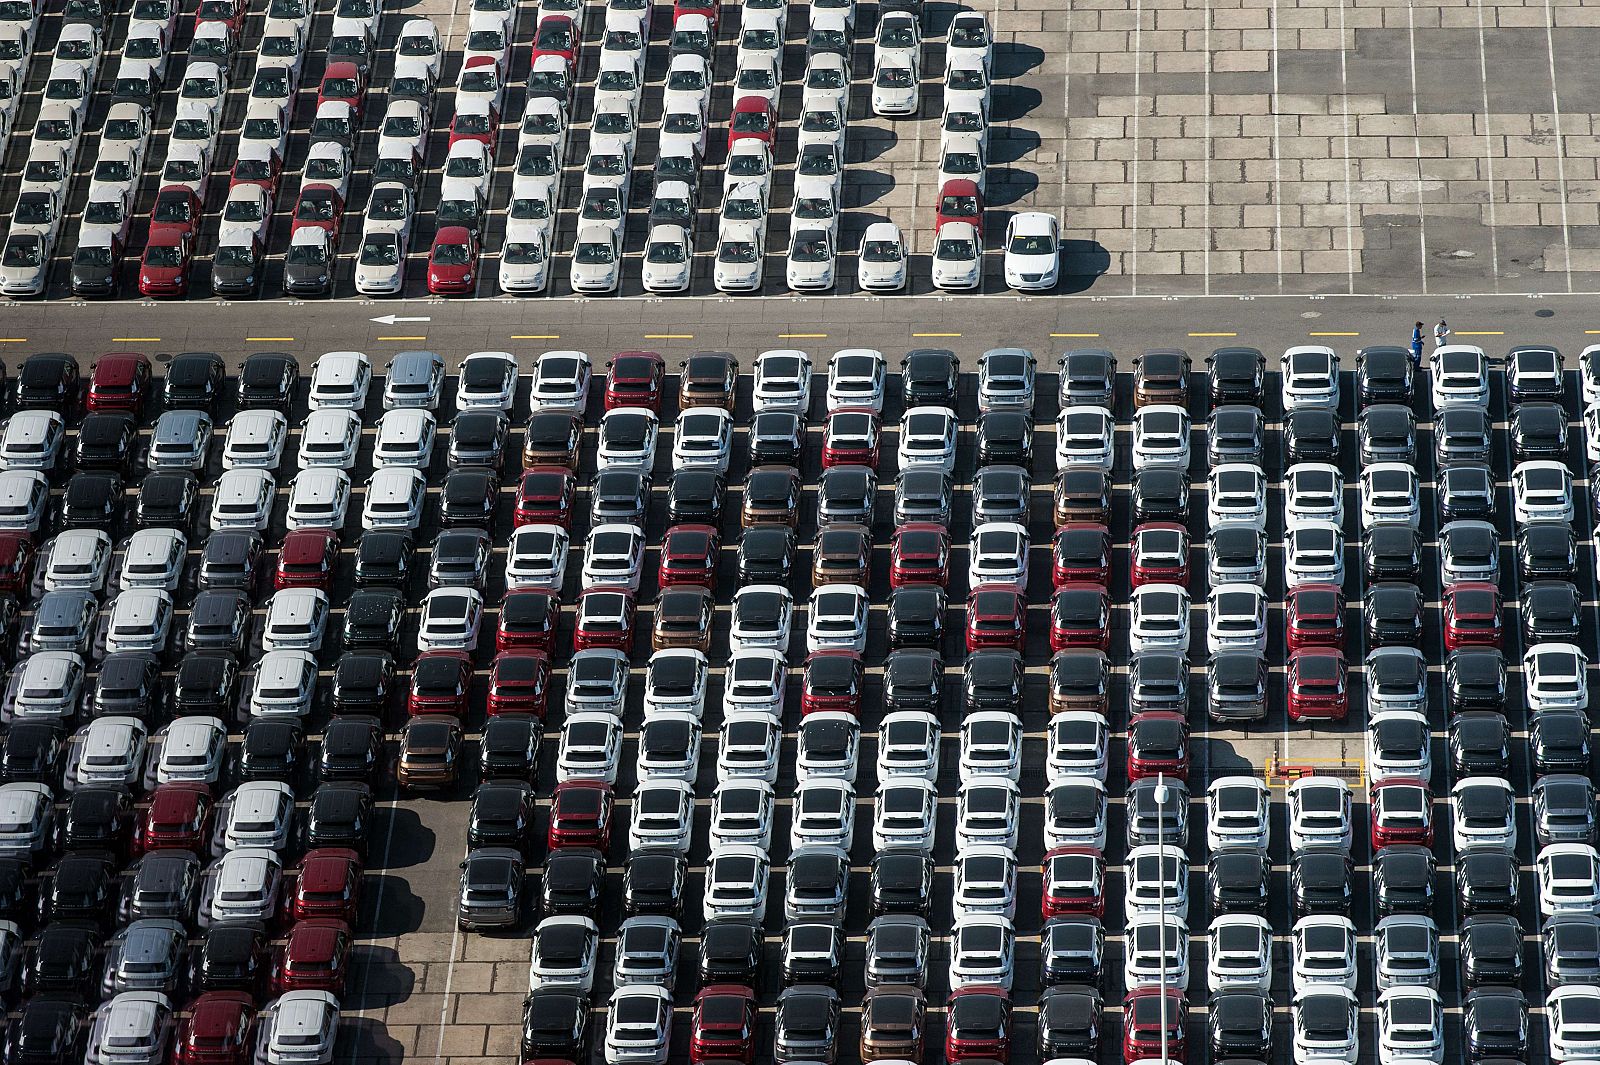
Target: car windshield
(103,213)
(1032,245)
(523,253)
(21,253)
(376,252)
(666,253)
(306,255)
(818,164)
(164,255)
(737,251)
(452,254)
(955,249)
(235,255)
(811,250)
(594,253)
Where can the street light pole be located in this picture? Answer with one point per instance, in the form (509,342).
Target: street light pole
(1161,899)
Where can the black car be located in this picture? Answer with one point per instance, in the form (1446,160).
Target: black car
(1322,882)
(1387,432)
(1487,881)
(1310,434)
(555,1024)
(106,441)
(33,752)
(924,494)
(1480,744)
(271,750)
(1238,375)
(236,269)
(503,814)
(194,380)
(901,881)
(929,377)
(478,440)
(1005,437)
(168,499)
(1236,686)
(93,499)
(373,617)
(1081,677)
(51,1030)
(1547,550)
(96,266)
(653,883)
(509,748)
(1160,493)
(351,749)
(1571,946)
(62,960)
(1072,950)
(1534,372)
(772,496)
(129,685)
(1539,431)
(695,496)
(1069,1022)
(846,493)
(1402,879)
(1088,378)
(730,952)
(1236,882)
(1559,740)
(163,884)
(1564,809)
(1461,434)
(81,887)
(469,498)
(268,380)
(1001,493)
(777,438)
(49,381)
(572,882)
(364,683)
(916,616)
(913,680)
(1475,679)
(1490,948)
(1392,551)
(207,682)
(1235,435)
(1551,611)
(385,558)
(459,558)
(231,558)
(340,815)
(231,957)
(811,953)
(97,818)
(1496,1023)
(992,680)
(619,496)
(1239,1024)
(219,620)
(767,555)
(1384,374)
(1393,614)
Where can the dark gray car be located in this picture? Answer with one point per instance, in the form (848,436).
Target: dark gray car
(148,955)
(1564,809)
(897,950)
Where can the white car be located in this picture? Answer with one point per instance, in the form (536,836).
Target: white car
(1085,436)
(297,1028)
(1542,491)
(688,84)
(1390,491)
(966,83)
(1032,252)
(1310,378)
(857,378)
(928,438)
(991,745)
(1236,618)
(999,555)
(318,499)
(1313,553)
(1239,953)
(1075,813)
(957,257)
(1460,376)
(1324,947)
(737,880)
(77,560)
(668,259)
(1077,744)
(596,260)
(1407,951)
(243,500)
(982,949)
(1319,815)
(809,265)
(908,745)
(662,815)
(395,496)
(140,620)
(741,813)
(1155,952)
(988,811)
(738,259)
(152,559)
(669,747)
(329,163)
(561,382)
(1238,814)
(1327,1026)
(109,751)
(1569,879)
(1157,881)
(905,813)
(1483,814)
(782,381)
(536,557)
(1555,676)
(837,618)
(613,556)
(296,620)
(676,680)
(451,618)
(748,747)
(755,681)
(1159,618)
(565,950)
(1573,1014)
(1410,1026)
(824,813)
(762,616)
(255,440)
(897,84)
(1236,492)
(487,380)
(1161,437)
(341,380)
(1313,491)
(247,212)
(881,262)
(284,684)
(405,438)
(703,438)
(32,440)
(638,1025)
(259,813)
(985,884)
(191,750)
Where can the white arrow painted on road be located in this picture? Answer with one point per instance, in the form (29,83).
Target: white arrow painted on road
(391,319)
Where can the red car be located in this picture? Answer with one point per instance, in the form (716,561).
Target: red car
(263,170)
(1402,812)
(320,207)
(919,554)
(1074,883)
(314,958)
(519,683)
(451,261)
(711,9)
(724,1025)
(1080,616)
(689,555)
(1158,745)
(528,621)
(580,815)
(834,680)
(473,124)
(851,438)
(547,495)
(119,382)
(1313,616)
(997,616)
(1317,683)
(1081,553)
(1159,554)
(636,379)
(178,210)
(179,817)
(217,1030)
(16,562)
(228,12)
(1142,1014)
(556,35)
(605,619)
(164,267)
(343,83)
(978,1024)
(327,886)
(307,560)
(440,683)
(753,119)
(1472,615)
(960,201)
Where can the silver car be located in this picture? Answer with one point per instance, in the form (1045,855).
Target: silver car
(491,889)
(148,955)
(24,262)
(135,1028)
(413,379)
(180,441)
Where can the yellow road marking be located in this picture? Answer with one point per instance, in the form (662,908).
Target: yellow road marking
(1333,334)
(268,340)
(135,340)
(536,336)
(13,340)
(1213,334)
(935,334)
(669,336)
(802,336)
(1088,335)
(402,338)
(1480,332)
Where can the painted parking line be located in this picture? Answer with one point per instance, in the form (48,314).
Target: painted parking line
(802,336)
(1333,334)
(13,340)
(401,338)
(669,336)
(929,336)
(1480,332)
(269,340)
(536,336)
(1086,336)
(135,340)
(1213,334)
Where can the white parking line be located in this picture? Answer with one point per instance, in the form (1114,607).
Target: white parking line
(1349,198)
(1561,150)
(1416,144)
(1488,151)
(1133,168)
(1277,155)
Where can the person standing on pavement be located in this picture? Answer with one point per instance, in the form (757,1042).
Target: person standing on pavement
(1416,344)
(1441,333)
